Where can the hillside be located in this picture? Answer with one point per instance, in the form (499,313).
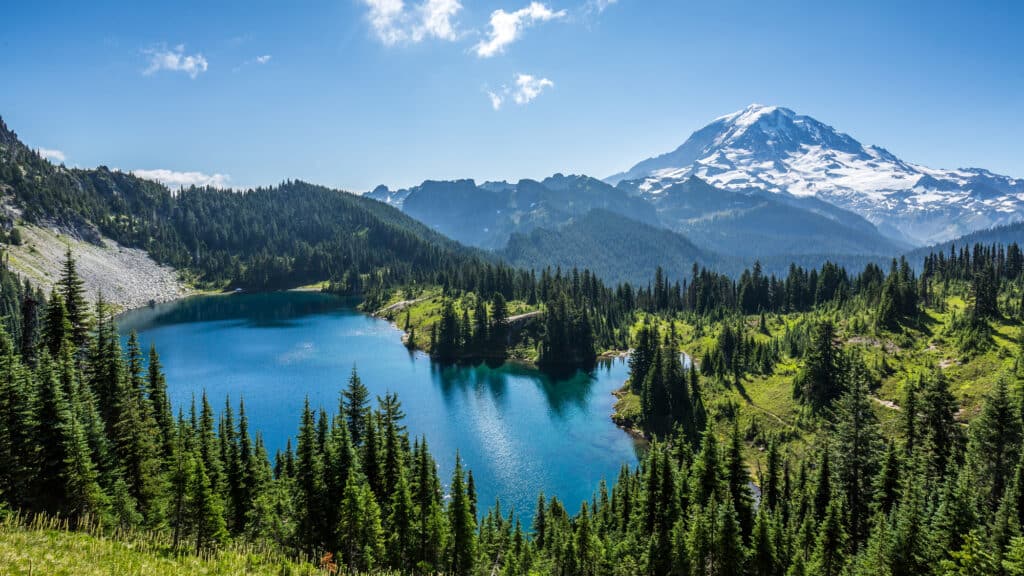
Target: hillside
(615,248)
(1008,234)
(277,237)
(751,223)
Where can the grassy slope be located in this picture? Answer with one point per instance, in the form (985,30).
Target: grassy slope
(424,305)
(46,547)
(765,402)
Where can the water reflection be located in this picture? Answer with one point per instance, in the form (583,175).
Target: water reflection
(264,310)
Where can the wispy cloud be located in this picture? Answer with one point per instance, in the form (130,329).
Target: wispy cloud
(175,60)
(173,179)
(395,23)
(527,88)
(52,155)
(507,27)
(263,59)
(600,5)
(497,99)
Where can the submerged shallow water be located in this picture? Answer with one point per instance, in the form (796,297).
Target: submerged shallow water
(519,430)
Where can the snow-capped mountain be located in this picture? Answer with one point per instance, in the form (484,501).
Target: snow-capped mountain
(774,149)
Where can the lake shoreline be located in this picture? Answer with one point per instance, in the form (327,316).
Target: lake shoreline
(521,430)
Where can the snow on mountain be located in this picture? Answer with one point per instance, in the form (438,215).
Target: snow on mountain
(774,149)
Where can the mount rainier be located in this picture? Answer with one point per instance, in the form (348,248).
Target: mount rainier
(776,150)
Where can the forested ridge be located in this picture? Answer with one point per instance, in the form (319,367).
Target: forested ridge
(264,238)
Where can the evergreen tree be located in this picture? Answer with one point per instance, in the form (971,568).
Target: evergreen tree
(821,380)
(829,551)
(72,292)
(310,487)
(360,529)
(994,446)
(858,446)
(207,510)
(355,406)
(462,554)
(157,386)
(67,480)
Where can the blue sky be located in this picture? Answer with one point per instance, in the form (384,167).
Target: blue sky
(354,93)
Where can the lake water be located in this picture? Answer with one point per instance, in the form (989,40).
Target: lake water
(519,430)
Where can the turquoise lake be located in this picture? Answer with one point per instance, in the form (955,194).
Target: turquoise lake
(519,430)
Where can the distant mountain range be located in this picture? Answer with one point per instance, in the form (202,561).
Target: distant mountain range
(776,150)
(488,214)
(761,183)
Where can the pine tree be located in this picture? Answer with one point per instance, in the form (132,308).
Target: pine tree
(72,292)
(57,327)
(400,523)
(355,406)
(887,483)
(994,446)
(67,480)
(207,510)
(858,446)
(360,529)
(763,559)
(182,467)
(706,473)
(135,441)
(18,448)
(157,386)
(738,481)
(940,432)
(309,480)
(821,380)
(462,554)
(498,330)
(829,551)
(209,448)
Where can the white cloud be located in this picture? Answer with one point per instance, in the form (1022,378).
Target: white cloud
(263,59)
(496,99)
(175,60)
(175,180)
(507,27)
(52,155)
(395,23)
(527,88)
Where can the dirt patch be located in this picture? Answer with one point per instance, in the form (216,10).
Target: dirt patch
(888,345)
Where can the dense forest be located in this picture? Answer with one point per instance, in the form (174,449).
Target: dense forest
(87,433)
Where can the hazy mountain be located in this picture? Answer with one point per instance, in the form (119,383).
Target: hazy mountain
(754,223)
(776,150)
(614,247)
(486,215)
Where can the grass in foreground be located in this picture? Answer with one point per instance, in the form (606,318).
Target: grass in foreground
(46,546)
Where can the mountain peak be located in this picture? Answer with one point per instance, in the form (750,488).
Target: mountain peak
(754,113)
(777,150)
